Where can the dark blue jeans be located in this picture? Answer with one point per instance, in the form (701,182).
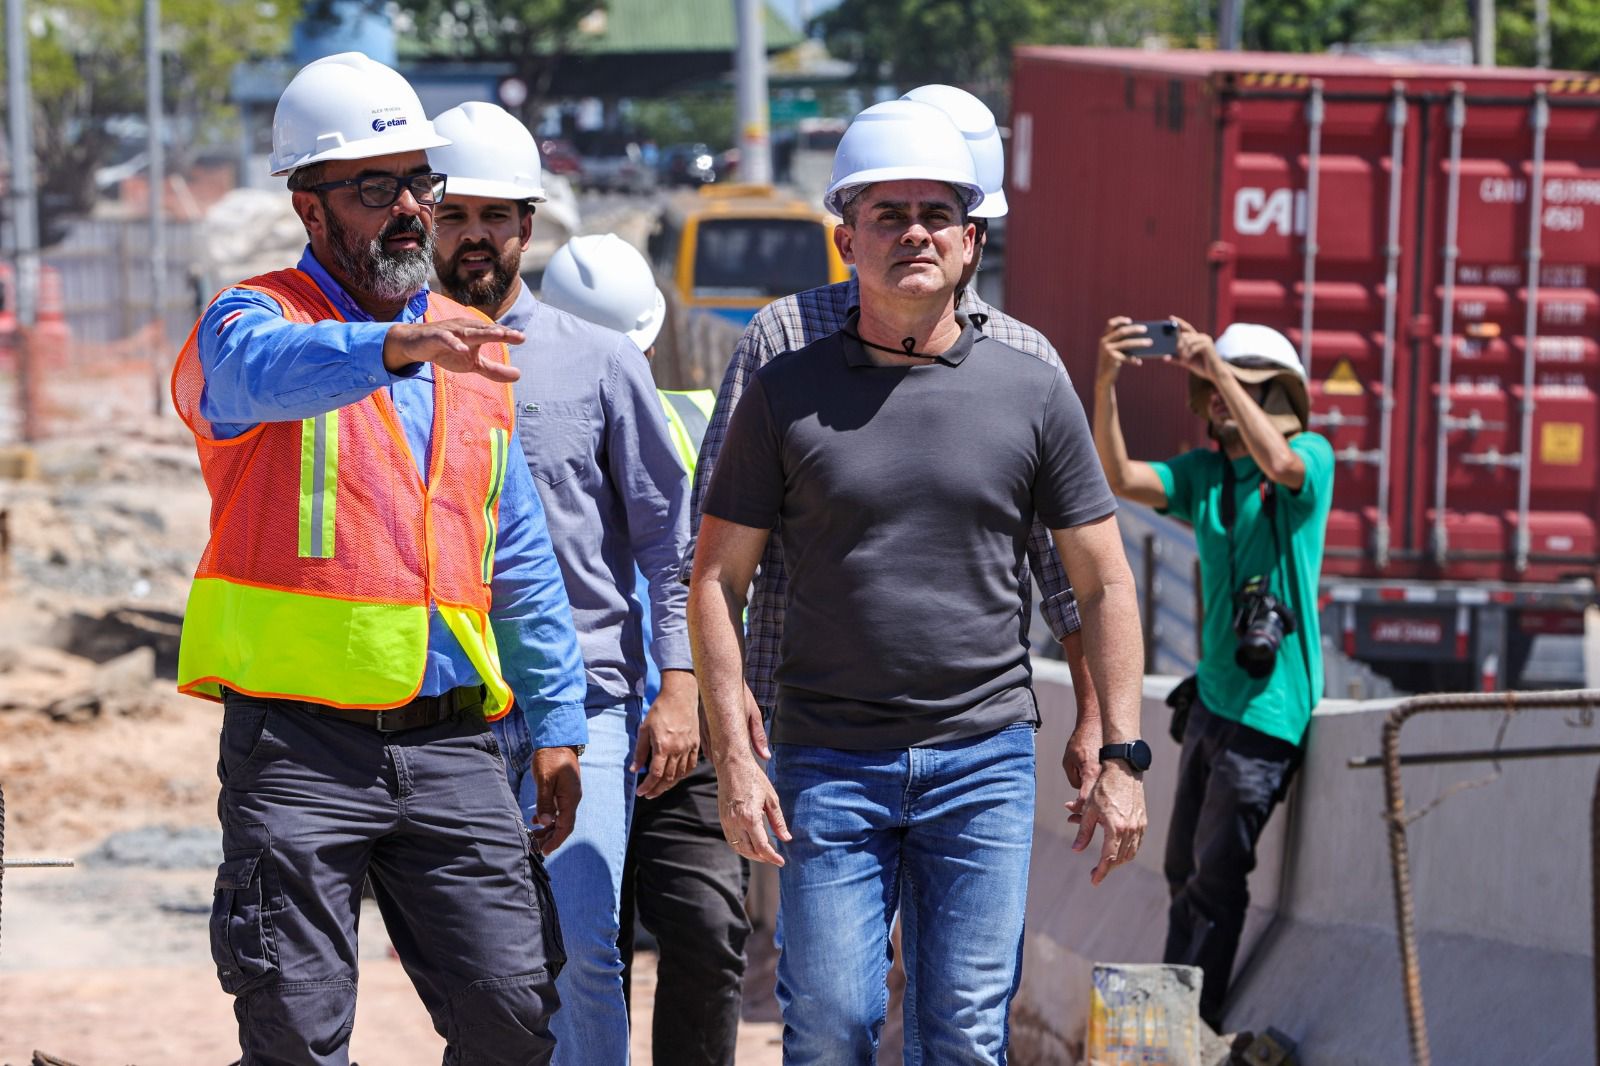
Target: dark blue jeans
(311,807)
(1230,777)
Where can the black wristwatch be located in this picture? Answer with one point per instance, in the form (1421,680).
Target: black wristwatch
(1136,753)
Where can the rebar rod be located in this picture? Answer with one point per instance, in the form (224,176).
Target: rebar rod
(1399,855)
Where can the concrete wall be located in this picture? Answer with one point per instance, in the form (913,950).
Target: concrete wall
(1501,874)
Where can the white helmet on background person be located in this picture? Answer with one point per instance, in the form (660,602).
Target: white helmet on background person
(1260,348)
(347,106)
(901,140)
(1257,354)
(976,123)
(490,154)
(603,279)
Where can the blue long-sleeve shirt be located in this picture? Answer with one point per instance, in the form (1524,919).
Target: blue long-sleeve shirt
(259,367)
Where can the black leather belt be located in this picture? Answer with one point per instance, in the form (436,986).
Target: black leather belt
(424,710)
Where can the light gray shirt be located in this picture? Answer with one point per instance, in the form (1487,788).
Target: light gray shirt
(614,491)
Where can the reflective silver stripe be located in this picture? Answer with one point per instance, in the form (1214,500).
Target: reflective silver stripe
(319,480)
(319,473)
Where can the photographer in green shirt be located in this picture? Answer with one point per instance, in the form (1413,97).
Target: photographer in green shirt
(1259,504)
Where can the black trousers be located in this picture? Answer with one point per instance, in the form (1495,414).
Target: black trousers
(1230,777)
(311,808)
(687,887)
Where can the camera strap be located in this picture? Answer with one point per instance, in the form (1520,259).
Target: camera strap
(1269,507)
(1230,515)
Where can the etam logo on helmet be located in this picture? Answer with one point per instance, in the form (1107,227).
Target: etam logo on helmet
(381,124)
(1256,211)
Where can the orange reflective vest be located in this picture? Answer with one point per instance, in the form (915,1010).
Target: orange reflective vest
(327,549)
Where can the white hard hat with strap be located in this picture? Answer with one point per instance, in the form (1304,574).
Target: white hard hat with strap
(901,140)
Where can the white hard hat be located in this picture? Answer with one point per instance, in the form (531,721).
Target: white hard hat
(347,106)
(976,123)
(1257,354)
(490,154)
(901,140)
(1244,344)
(603,279)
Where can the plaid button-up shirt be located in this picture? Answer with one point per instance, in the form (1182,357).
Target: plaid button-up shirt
(792,323)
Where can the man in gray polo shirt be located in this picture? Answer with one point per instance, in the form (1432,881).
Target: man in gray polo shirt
(906,456)
(614,494)
(796,321)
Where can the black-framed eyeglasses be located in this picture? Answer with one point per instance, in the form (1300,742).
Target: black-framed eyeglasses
(381,190)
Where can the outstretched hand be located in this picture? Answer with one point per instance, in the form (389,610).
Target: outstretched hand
(455,344)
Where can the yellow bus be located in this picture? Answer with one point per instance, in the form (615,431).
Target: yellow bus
(732,249)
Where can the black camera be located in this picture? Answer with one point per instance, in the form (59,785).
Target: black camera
(1261,620)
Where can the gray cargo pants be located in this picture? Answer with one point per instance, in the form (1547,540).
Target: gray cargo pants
(313,806)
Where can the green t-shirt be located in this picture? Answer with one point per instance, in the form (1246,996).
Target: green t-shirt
(1279,704)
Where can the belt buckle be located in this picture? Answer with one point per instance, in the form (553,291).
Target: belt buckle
(379,723)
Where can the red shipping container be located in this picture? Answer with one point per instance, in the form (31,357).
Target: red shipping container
(1225,187)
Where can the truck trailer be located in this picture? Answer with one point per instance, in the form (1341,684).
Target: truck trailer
(1429,239)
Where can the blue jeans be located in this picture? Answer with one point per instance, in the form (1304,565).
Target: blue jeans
(943,834)
(591,1029)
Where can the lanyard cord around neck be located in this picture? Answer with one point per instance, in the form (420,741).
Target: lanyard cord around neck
(906,346)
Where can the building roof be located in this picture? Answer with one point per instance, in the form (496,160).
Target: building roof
(654,26)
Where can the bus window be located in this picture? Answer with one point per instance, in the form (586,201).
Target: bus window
(763,257)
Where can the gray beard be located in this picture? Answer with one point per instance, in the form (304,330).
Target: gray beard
(375,271)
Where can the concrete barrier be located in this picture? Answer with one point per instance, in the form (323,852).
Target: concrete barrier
(1501,874)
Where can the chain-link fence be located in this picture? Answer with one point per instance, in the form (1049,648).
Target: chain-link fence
(96,352)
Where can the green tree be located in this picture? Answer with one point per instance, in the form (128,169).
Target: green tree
(88,78)
(1574,34)
(531,35)
(911,42)
(969,42)
(705,118)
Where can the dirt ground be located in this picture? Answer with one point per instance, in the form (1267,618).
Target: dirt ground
(107,964)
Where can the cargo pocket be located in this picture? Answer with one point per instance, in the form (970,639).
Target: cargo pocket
(555,949)
(242,944)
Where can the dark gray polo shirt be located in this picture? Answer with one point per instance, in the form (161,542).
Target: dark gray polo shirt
(903,498)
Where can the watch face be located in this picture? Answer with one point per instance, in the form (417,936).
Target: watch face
(1139,755)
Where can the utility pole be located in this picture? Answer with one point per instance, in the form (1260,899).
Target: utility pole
(1483,43)
(24,216)
(750,66)
(1541,22)
(1230,25)
(158,188)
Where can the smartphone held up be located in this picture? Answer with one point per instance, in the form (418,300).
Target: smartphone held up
(1163,336)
